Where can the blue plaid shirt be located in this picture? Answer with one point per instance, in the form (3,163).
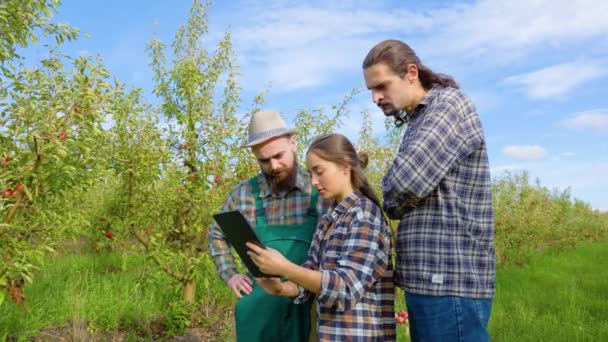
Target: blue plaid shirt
(438,186)
(352,250)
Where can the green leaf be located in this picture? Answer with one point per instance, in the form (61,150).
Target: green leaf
(27,278)
(27,192)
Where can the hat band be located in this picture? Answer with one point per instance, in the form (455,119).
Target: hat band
(267,134)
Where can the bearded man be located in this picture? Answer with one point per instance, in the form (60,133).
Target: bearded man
(281,205)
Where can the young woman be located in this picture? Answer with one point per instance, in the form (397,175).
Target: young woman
(348,269)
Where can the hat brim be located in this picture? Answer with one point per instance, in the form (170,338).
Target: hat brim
(266,138)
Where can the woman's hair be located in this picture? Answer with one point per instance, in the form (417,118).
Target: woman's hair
(397,56)
(336,148)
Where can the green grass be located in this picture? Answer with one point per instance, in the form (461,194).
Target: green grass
(554,298)
(94,288)
(109,292)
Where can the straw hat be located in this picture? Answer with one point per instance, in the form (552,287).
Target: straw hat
(265,125)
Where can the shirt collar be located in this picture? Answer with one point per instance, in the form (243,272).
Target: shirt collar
(425,101)
(338,209)
(302,178)
(429,96)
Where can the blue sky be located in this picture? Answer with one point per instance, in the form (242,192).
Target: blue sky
(537,70)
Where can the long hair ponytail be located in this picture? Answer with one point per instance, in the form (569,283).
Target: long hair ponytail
(397,55)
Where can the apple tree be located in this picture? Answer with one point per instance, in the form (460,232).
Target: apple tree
(177,162)
(50,133)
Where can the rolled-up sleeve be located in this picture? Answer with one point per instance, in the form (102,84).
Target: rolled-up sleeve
(312,263)
(219,247)
(362,262)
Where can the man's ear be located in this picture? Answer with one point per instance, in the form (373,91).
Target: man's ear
(293,143)
(411,72)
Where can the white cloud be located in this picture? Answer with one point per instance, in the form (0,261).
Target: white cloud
(299,26)
(596,120)
(306,67)
(488,25)
(524,152)
(557,80)
(306,44)
(297,47)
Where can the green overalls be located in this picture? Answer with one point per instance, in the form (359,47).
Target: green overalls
(263,317)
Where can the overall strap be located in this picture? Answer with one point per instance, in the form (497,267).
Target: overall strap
(260,212)
(312,210)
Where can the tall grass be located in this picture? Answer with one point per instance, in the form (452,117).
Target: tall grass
(554,298)
(104,293)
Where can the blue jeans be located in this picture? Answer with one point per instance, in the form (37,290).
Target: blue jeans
(446,318)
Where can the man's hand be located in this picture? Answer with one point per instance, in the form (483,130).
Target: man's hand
(238,283)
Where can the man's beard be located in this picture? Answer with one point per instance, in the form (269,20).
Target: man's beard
(394,112)
(397,114)
(285,184)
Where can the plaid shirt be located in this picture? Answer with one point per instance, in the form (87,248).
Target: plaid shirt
(285,208)
(357,292)
(438,186)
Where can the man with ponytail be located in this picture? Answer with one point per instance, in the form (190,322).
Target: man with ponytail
(438,187)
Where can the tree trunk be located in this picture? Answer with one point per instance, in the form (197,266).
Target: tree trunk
(189,291)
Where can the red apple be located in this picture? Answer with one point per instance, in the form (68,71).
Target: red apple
(109,234)
(19,187)
(63,135)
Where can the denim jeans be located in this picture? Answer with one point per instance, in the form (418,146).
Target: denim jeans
(446,318)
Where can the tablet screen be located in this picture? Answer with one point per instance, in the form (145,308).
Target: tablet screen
(238,232)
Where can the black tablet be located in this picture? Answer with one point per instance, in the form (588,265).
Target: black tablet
(238,232)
